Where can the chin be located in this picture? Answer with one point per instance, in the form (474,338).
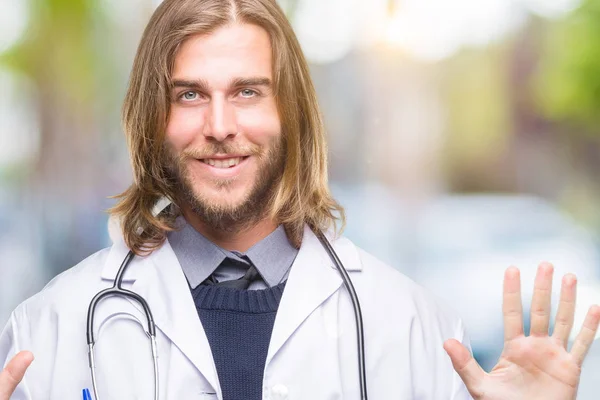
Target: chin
(223,200)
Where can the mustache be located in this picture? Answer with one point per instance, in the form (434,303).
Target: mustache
(212,149)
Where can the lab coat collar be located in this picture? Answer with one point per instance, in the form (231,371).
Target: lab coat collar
(347,251)
(313,279)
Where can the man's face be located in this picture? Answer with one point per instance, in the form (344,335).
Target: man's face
(224,132)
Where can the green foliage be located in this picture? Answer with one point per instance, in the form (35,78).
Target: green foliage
(476,94)
(58,50)
(568,83)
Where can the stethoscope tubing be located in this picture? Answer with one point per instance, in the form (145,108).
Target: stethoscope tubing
(360,335)
(117,290)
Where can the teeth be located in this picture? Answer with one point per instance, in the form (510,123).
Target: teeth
(225,163)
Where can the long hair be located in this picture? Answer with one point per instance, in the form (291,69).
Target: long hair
(302,195)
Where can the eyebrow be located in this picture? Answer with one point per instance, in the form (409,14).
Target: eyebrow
(252,81)
(202,85)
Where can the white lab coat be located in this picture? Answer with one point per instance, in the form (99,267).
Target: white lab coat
(312,353)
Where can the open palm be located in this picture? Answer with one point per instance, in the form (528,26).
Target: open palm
(537,366)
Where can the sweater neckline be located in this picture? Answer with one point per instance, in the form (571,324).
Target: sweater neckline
(214,297)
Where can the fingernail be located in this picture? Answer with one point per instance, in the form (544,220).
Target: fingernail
(569,279)
(28,356)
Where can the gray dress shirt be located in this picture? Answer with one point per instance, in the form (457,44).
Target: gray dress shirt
(200,258)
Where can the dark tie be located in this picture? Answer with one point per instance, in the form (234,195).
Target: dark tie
(241,283)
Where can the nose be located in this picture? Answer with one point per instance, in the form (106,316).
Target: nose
(221,122)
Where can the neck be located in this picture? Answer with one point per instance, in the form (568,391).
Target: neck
(236,239)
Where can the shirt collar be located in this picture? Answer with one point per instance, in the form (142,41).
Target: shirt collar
(199,257)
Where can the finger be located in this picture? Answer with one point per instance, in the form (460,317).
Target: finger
(566,310)
(512,308)
(13,373)
(465,365)
(540,305)
(586,336)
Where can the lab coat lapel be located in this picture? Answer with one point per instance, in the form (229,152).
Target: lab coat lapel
(312,280)
(160,280)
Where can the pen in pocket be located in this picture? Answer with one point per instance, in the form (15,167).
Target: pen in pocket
(86,394)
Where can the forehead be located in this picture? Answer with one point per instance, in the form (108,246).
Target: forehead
(234,50)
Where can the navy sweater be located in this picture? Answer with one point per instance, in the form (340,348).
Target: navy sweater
(238,325)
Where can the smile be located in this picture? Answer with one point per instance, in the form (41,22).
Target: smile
(223,163)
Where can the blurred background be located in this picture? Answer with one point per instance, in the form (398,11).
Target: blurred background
(464,138)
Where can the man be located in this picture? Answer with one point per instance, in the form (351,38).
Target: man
(222,121)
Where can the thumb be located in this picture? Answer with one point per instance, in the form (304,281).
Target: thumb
(13,373)
(465,365)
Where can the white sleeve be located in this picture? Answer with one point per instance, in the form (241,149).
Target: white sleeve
(9,346)
(459,390)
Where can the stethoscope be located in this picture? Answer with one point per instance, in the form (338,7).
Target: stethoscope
(117,290)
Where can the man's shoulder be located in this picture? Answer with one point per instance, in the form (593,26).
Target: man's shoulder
(73,285)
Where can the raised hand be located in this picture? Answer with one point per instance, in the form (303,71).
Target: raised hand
(13,373)
(537,366)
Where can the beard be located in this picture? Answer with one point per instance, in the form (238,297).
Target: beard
(219,215)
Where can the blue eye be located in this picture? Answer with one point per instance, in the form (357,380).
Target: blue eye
(190,95)
(248,93)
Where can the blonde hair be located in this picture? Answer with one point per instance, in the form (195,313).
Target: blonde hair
(302,196)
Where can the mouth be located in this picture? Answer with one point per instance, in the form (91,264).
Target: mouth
(224,162)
